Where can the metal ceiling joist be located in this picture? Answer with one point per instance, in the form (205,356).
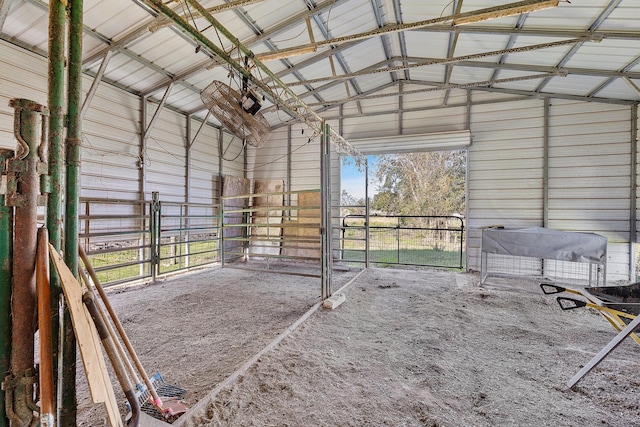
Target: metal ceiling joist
(397,11)
(440,87)
(453,41)
(94,85)
(533,32)
(440,61)
(5,7)
(510,43)
(395,28)
(156,114)
(611,6)
(632,85)
(611,79)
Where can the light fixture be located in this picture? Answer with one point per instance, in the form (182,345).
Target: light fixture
(503,11)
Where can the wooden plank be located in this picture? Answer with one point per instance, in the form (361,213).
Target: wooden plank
(95,368)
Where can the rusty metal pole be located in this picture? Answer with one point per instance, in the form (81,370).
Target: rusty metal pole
(23,192)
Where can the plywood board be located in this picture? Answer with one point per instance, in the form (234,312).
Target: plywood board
(268,238)
(95,368)
(234,186)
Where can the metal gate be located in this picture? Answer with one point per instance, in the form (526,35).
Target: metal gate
(434,241)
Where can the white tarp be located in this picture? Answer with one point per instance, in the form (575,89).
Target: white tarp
(546,243)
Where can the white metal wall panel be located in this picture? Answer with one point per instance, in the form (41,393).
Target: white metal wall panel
(24,75)
(369,127)
(505,164)
(270,161)
(232,156)
(204,182)
(413,143)
(110,129)
(305,162)
(110,145)
(589,153)
(442,120)
(165,155)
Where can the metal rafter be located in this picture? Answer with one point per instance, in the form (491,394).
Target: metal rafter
(327,35)
(244,17)
(397,11)
(441,61)
(510,43)
(453,41)
(611,79)
(593,27)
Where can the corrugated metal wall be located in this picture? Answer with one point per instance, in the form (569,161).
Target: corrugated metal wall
(165,155)
(505,169)
(204,163)
(590,174)
(588,163)
(111,141)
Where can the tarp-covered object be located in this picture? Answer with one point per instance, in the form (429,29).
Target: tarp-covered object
(546,243)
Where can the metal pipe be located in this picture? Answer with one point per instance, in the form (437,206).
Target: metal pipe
(73,144)
(55,100)
(325,188)
(6,257)
(26,184)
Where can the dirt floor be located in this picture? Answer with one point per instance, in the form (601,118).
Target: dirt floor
(407,348)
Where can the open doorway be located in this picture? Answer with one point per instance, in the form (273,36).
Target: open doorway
(405,209)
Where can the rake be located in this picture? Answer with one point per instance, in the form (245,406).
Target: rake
(155,397)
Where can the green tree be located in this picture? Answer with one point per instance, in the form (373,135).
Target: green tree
(427,183)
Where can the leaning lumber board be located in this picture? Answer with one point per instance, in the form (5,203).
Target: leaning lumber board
(95,368)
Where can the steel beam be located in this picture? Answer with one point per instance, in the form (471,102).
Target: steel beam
(94,85)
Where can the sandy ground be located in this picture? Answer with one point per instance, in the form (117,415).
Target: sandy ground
(407,348)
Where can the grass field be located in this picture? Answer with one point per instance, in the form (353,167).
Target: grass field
(420,257)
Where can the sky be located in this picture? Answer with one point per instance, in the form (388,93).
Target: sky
(353,179)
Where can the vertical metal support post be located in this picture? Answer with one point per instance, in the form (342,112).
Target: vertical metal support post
(23,191)
(545,159)
(398,239)
(6,268)
(55,99)
(367,235)
(155,234)
(289,180)
(73,158)
(220,200)
(142,182)
(466,173)
(325,194)
(634,193)
(185,226)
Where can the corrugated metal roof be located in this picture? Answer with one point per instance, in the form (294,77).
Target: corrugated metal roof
(595,56)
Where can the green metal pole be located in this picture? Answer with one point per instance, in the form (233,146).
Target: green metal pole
(73,143)
(6,255)
(57,19)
